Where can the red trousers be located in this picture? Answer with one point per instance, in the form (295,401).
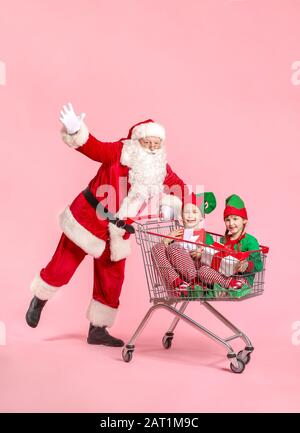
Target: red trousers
(108,275)
(175,264)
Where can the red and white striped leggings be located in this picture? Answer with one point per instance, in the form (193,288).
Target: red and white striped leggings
(176,265)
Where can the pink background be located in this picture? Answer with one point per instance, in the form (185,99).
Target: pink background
(221,76)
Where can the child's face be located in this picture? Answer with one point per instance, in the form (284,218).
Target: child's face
(191,216)
(235,224)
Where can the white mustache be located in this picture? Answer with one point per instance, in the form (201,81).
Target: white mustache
(151,152)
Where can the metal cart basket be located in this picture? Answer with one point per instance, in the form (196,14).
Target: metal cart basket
(163,295)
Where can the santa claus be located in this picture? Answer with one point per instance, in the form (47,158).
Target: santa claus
(98,221)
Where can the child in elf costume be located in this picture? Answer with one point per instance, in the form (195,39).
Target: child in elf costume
(176,260)
(236,238)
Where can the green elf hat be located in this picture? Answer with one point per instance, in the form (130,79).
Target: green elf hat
(206,201)
(234,205)
(209,203)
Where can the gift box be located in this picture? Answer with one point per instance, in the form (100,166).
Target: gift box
(222,258)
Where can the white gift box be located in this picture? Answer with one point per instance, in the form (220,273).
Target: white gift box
(222,261)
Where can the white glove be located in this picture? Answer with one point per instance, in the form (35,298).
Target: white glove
(70,120)
(167,212)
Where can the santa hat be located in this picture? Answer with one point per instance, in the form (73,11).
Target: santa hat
(205,201)
(234,205)
(147,128)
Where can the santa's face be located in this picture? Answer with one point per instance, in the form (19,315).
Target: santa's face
(150,144)
(192,217)
(147,169)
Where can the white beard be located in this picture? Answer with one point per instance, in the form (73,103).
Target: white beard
(146,176)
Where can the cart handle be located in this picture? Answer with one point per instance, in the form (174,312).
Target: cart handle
(263,249)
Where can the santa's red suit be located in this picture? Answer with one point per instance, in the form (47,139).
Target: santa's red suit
(134,175)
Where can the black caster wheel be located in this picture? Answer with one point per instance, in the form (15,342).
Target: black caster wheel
(244,359)
(167,341)
(127,354)
(240,368)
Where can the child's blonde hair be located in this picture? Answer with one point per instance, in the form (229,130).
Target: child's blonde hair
(238,245)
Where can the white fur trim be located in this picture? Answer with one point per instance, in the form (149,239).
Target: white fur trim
(100,314)
(41,289)
(80,235)
(150,129)
(147,171)
(129,207)
(119,248)
(78,139)
(173,202)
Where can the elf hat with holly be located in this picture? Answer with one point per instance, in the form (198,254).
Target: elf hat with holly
(205,201)
(234,205)
(147,128)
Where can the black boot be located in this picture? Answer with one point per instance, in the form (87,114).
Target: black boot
(99,335)
(34,311)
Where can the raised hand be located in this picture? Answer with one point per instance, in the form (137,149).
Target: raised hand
(70,120)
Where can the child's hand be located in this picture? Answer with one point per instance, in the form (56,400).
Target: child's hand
(175,234)
(241,266)
(196,254)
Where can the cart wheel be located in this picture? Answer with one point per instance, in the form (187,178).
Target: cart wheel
(244,359)
(240,368)
(127,354)
(167,341)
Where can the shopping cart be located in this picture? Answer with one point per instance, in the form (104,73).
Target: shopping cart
(165,296)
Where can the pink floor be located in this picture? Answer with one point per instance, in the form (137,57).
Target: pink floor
(223,77)
(52,369)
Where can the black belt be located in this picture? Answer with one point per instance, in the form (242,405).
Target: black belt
(95,203)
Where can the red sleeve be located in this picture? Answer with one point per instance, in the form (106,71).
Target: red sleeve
(176,185)
(102,152)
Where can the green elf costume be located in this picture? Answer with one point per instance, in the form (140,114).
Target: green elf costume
(234,205)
